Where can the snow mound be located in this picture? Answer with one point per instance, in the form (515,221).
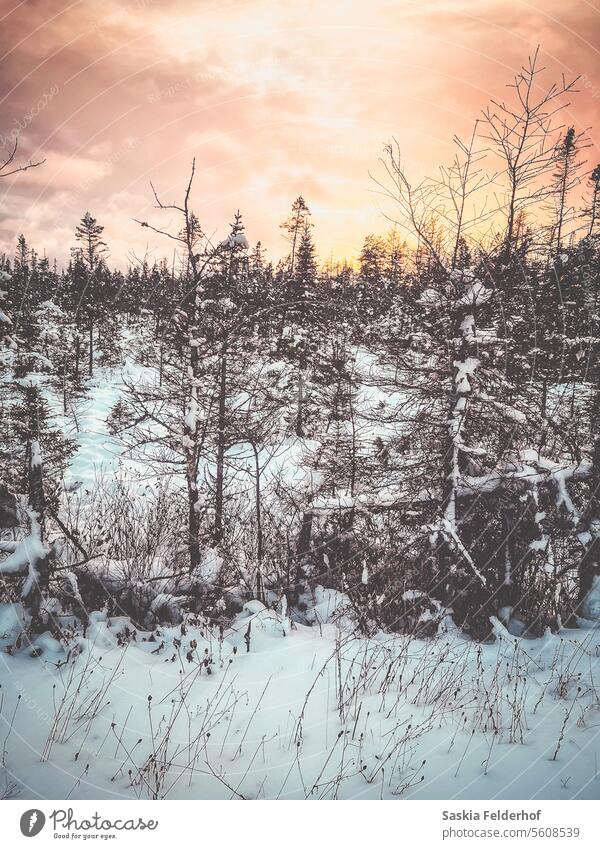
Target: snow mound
(12,622)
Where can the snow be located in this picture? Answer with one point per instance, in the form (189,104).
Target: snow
(39,359)
(329,606)
(467,325)
(509,412)
(99,455)
(257,618)
(590,608)
(241,241)
(46,644)
(210,565)
(333,502)
(164,602)
(254,607)
(190,419)
(36,454)
(430,297)
(235,240)
(270,722)
(12,622)
(448,527)
(412,595)
(534,469)
(464,370)
(26,555)
(476,293)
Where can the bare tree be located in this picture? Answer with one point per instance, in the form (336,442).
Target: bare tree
(199,253)
(8,167)
(523,135)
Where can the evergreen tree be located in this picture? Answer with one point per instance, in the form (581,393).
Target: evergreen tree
(89,280)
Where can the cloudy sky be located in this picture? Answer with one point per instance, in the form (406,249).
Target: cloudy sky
(274,99)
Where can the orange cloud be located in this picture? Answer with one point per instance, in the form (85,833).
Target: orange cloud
(274,99)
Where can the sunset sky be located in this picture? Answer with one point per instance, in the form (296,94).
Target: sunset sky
(274,99)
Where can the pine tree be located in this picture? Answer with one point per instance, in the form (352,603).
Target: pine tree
(593,211)
(565,178)
(89,278)
(294,226)
(370,283)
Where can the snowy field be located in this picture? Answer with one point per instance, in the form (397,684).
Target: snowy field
(306,712)
(273,709)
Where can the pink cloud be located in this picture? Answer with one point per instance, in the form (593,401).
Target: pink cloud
(274,99)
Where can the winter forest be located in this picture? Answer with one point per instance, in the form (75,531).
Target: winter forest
(292,527)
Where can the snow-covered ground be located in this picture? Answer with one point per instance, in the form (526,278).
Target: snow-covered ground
(98,454)
(305,713)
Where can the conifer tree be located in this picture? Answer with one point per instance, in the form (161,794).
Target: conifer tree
(89,278)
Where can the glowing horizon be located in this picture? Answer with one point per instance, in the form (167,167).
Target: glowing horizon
(273,101)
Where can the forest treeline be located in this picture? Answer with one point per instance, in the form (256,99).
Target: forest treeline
(418,431)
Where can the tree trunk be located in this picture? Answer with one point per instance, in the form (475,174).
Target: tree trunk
(39,574)
(193,525)
(190,442)
(589,565)
(300,403)
(303,548)
(77,354)
(91,348)
(259,532)
(465,585)
(220,472)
